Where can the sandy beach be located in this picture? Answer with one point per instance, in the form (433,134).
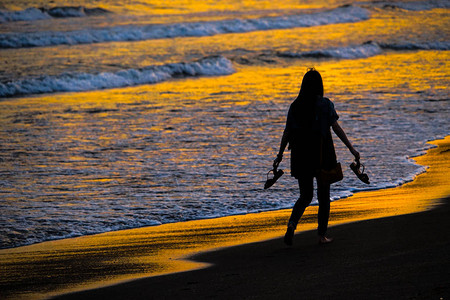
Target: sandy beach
(401,251)
(402,257)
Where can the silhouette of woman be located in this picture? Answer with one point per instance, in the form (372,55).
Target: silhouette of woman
(308,133)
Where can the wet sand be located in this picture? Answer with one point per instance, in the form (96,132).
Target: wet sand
(403,256)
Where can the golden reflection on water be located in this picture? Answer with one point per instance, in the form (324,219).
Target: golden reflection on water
(250,48)
(158,116)
(158,7)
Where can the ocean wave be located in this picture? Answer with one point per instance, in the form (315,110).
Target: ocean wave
(435,45)
(353,52)
(34,14)
(365,50)
(342,14)
(29,14)
(416,5)
(76,82)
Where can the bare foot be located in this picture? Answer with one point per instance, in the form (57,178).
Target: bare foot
(325,240)
(289,236)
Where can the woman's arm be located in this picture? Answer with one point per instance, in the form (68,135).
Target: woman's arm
(341,134)
(283,144)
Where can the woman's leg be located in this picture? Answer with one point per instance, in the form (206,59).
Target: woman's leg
(306,186)
(323,196)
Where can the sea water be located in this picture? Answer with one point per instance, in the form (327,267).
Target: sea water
(117,116)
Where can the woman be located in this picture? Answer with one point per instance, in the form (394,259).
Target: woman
(308,133)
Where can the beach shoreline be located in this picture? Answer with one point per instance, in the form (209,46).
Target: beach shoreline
(89,262)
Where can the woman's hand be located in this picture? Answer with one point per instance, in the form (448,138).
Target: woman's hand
(355,153)
(277,161)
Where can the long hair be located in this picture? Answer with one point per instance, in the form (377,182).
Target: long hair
(305,103)
(312,86)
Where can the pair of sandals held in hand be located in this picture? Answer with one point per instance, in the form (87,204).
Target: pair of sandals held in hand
(354,166)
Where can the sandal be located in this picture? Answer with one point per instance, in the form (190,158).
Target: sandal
(270,181)
(361,175)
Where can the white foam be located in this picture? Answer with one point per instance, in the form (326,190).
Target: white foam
(353,52)
(67,12)
(29,14)
(35,14)
(365,50)
(146,32)
(435,45)
(418,5)
(76,82)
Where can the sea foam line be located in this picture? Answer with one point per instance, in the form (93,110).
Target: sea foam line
(352,52)
(365,50)
(35,14)
(342,14)
(76,82)
(29,14)
(434,45)
(415,5)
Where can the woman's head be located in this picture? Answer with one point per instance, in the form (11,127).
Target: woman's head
(312,88)
(312,84)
